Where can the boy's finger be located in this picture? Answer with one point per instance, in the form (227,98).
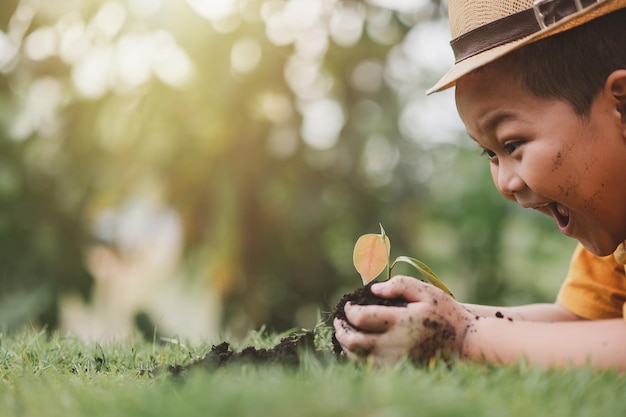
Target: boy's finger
(409,288)
(371,318)
(352,340)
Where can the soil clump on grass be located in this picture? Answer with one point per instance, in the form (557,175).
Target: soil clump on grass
(285,352)
(288,350)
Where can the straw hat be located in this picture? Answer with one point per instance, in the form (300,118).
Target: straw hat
(484,30)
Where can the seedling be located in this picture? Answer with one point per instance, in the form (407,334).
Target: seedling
(371,256)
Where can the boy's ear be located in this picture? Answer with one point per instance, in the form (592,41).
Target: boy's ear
(616,86)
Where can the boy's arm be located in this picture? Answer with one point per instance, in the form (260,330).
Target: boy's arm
(599,343)
(433,322)
(531,312)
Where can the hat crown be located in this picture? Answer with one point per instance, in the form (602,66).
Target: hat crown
(466,15)
(485,30)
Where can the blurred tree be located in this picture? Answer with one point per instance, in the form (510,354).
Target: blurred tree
(278,131)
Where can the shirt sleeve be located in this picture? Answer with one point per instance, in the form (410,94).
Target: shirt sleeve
(595,287)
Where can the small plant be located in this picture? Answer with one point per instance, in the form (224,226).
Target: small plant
(371,256)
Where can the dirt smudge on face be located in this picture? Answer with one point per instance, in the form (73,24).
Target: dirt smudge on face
(557,161)
(569,188)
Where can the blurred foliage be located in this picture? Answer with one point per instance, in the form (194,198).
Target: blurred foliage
(278,131)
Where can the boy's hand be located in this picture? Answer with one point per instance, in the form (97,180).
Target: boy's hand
(432,323)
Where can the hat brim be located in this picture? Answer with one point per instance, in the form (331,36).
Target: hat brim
(469,64)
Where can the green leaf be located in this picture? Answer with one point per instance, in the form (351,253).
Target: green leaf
(425,271)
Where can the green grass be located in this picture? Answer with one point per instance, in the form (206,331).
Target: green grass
(48,375)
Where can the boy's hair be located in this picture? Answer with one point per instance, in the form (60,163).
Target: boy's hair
(572,65)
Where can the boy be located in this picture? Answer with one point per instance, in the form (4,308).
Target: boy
(541,88)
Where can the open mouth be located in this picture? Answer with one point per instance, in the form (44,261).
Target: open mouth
(560,214)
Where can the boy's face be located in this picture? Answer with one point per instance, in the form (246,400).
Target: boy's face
(544,156)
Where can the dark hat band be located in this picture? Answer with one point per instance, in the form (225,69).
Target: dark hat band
(543,14)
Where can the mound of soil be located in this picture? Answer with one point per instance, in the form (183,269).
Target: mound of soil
(287,351)
(361,296)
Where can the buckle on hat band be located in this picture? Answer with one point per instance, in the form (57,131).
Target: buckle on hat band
(543,14)
(549,17)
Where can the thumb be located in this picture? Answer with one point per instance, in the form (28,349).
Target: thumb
(409,288)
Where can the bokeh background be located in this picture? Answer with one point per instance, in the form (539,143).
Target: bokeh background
(203,167)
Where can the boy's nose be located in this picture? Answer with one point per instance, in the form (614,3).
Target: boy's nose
(508,181)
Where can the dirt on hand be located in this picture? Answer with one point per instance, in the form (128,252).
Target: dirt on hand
(361,296)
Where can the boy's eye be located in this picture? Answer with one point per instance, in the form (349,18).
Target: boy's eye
(511,147)
(489,154)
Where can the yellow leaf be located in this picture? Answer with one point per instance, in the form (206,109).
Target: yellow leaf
(371,256)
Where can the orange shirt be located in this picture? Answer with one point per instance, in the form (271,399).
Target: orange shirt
(595,287)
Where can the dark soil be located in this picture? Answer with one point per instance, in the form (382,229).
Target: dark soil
(288,350)
(361,296)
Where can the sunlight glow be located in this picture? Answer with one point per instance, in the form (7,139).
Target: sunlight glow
(379,160)
(426,46)
(313,42)
(285,21)
(144,8)
(213,9)
(18,26)
(210,101)
(109,20)
(400,5)
(131,62)
(245,55)
(305,78)
(276,107)
(39,110)
(346,24)
(367,76)
(92,74)
(170,63)
(41,44)
(322,122)
(425,120)
(282,142)
(381,28)
(74,39)
(7,50)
